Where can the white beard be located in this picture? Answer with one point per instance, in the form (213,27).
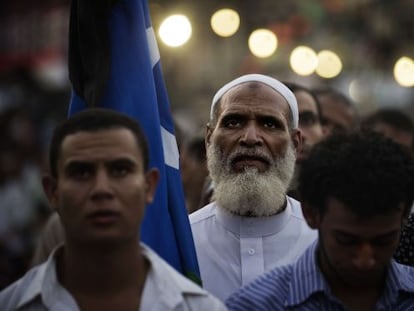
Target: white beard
(251,193)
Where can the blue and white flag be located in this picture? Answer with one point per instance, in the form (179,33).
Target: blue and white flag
(114,63)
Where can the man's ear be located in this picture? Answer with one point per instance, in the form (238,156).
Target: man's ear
(152,176)
(50,189)
(312,215)
(209,131)
(297,139)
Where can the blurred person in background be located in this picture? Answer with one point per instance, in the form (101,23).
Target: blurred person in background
(309,118)
(23,206)
(338,112)
(396,125)
(309,124)
(392,123)
(193,165)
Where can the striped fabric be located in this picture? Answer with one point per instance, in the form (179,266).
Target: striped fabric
(301,286)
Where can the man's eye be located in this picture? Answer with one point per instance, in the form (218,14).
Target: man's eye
(345,240)
(307,120)
(80,173)
(120,170)
(270,124)
(232,123)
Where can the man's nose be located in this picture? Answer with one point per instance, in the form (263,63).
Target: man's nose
(102,184)
(252,135)
(365,257)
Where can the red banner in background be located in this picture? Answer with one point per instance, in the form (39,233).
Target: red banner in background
(32,35)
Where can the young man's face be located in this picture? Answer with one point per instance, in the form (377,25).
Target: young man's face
(102,188)
(354,252)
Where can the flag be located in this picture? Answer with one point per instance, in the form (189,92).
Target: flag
(114,63)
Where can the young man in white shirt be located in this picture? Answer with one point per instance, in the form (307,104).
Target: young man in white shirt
(99,185)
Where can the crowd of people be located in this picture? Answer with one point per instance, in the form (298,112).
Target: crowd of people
(295,201)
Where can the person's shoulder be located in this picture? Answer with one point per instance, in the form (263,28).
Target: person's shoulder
(23,290)
(203,214)
(405,274)
(268,292)
(203,303)
(296,212)
(173,283)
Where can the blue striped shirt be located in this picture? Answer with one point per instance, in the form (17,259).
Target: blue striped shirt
(301,286)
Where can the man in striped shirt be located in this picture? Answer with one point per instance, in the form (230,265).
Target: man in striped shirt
(356,190)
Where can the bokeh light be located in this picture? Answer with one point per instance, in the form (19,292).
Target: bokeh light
(225,22)
(404,71)
(329,64)
(262,43)
(303,60)
(175,30)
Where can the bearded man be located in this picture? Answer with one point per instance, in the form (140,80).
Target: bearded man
(251,226)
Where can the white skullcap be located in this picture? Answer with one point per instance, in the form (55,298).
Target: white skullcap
(269,81)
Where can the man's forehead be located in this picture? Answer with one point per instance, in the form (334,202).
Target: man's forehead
(274,84)
(111,140)
(250,94)
(339,210)
(120,132)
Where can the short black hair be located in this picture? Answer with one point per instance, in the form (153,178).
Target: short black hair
(92,120)
(391,116)
(294,87)
(334,94)
(366,171)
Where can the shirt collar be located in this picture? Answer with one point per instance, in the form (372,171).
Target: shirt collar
(253,226)
(164,284)
(400,278)
(168,284)
(307,280)
(46,285)
(35,286)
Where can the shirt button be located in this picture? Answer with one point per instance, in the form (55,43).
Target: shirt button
(251,251)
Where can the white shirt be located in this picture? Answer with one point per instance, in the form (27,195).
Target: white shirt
(165,289)
(233,250)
